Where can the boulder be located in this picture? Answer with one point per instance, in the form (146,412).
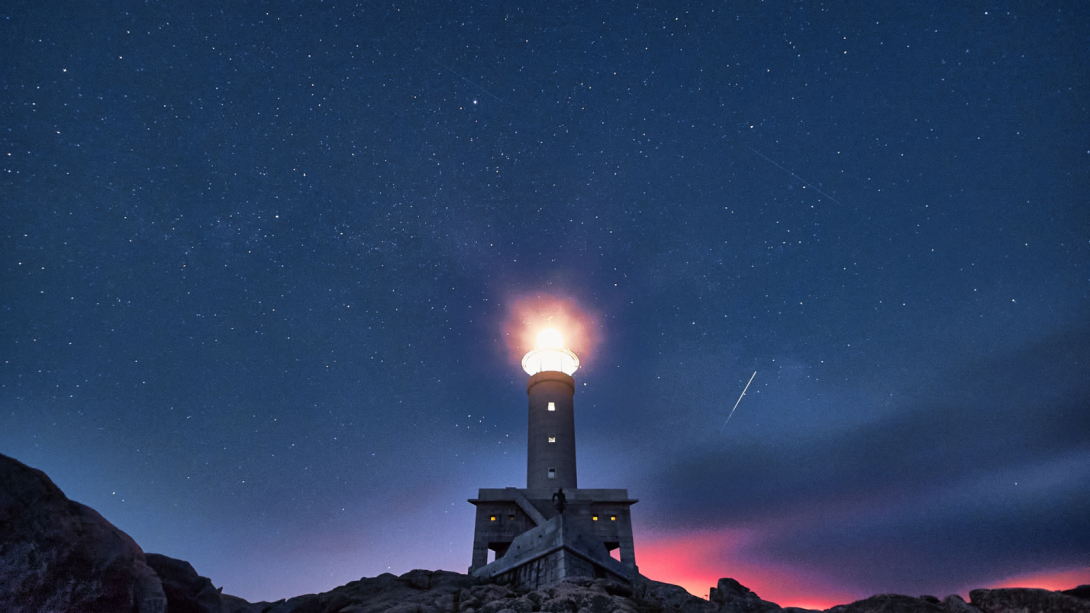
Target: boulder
(186,591)
(1027,600)
(59,555)
(956,604)
(667,598)
(733,597)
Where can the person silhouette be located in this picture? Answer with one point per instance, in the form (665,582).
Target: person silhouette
(560,500)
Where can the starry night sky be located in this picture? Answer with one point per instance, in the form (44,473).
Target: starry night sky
(264,269)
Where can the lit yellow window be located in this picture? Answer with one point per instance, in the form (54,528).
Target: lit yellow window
(612,518)
(552,439)
(595,518)
(552,406)
(493,518)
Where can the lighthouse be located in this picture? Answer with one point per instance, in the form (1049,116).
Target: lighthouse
(550,448)
(551,529)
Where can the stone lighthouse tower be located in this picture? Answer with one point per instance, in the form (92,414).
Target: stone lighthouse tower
(550,457)
(551,529)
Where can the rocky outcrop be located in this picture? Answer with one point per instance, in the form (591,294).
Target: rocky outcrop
(1007,600)
(422,591)
(1083,591)
(891,603)
(59,555)
(956,604)
(418,591)
(186,591)
(733,597)
(1027,600)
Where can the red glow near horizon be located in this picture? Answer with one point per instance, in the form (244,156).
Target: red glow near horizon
(697,560)
(527,316)
(1054,580)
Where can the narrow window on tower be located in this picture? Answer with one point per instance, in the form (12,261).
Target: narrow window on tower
(552,439)
(552,473)
(492,518)
(552,406)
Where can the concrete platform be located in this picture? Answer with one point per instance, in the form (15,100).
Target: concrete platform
(556,549)
(504,514)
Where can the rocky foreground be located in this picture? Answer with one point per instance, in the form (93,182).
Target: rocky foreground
(59,555)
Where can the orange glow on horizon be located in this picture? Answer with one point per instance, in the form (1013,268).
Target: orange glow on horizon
(697,560)
(530,318)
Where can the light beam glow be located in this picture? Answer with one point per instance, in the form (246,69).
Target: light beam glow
(549,338)
(548,322)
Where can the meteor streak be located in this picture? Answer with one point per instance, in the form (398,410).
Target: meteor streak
(739,400)
(807,183)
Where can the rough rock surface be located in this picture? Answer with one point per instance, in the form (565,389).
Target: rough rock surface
(733,597)
(1027,600)
(186,591)
(891,603)
(59,555)
(956,604)
(422,591)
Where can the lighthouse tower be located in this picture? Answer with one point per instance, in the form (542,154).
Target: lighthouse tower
(551,529)
(550,449)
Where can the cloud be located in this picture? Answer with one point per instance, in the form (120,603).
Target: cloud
(923,496)
(953,539)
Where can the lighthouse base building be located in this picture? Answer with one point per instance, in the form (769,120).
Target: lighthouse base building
(552,529)
(535,544)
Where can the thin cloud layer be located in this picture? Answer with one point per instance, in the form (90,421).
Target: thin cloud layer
(926,497)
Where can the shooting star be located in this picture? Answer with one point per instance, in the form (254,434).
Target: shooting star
(739,400)
(804,181)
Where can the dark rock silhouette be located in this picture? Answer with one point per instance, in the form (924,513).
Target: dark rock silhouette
(891,603)
(733,597)
(1083,591)
(59,555)
(1027,600)
(186,591)
(418,591)
(956,604)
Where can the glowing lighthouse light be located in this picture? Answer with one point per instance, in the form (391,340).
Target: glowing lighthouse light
(549,354)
